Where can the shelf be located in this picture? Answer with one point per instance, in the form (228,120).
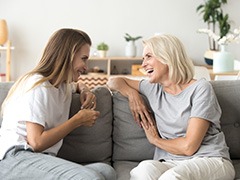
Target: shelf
(213,74)
(115,58)
(4,48)
(123,64)
(8,49)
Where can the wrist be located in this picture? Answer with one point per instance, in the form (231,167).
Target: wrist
(82,87)
(85,90)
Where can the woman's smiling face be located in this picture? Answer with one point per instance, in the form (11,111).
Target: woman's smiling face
(156,71)
(80,61)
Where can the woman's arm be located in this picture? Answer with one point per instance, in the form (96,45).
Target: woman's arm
(40,139)
(127,87)
(187,145)
(87,98)
(130,89)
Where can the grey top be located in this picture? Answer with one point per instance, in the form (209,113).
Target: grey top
(172,114)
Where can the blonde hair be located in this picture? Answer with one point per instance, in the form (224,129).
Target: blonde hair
(56,61)
(169,50)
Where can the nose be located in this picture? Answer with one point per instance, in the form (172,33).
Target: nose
(85,67)
(144,63)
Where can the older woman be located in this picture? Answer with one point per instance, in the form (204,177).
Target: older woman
(184,126)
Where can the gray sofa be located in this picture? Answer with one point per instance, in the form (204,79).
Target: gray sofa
(117,140)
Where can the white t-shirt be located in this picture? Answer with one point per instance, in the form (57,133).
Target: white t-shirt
(44,105)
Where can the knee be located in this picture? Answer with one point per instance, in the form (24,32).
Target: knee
(168,175)
(105,170)
(110,173)
(143,171)
(174,175)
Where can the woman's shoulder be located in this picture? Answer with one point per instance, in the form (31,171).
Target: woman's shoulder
(148,87)
(34,78)
(203,83)
(203,86)
(30,83)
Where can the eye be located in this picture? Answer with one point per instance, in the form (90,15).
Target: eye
(84,59)
(147,57)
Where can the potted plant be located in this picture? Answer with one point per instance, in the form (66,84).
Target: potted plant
(102,49)
(219,34)
(131,48)
(217,22)
(213,15)
(130,38)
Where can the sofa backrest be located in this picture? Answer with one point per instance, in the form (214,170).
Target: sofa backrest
(228,94)
(4,88)
(129,140)
(91,144)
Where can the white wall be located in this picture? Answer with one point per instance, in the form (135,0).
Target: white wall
(31,23)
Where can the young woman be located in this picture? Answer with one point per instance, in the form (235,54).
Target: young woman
(35,114)
(186,130)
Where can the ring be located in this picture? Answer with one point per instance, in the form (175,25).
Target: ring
(92,102)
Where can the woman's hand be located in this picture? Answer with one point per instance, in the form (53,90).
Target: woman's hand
(87,99)
(139,110)
(86,117)
(185,145)
(151,132)
(130,89)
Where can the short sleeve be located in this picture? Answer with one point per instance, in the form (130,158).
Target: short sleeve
(205,104)
(33,106)
(146,88)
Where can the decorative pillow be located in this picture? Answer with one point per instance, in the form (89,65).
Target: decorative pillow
(91,144)
(228,94)
(130,142)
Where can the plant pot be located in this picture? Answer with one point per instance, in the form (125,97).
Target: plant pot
(102,53)
(130,49)
(3,32)
(208,57)
(223,61)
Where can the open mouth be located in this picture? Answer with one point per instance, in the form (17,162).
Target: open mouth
(149,71)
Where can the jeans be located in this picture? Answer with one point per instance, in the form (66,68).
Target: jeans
(24,164)
(214,168)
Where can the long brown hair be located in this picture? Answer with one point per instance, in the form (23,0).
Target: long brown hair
(56,61)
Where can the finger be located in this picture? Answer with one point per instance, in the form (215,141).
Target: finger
(93,105)
(136,118)
(144,120)
(144,127)
(149,117)
(89,103)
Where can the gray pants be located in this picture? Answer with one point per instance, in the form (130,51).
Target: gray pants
(24,165)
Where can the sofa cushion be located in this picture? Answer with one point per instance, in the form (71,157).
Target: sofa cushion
(123,169)
(91,144)
(4,88)
(236,164)
(228,94)
(130,142)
